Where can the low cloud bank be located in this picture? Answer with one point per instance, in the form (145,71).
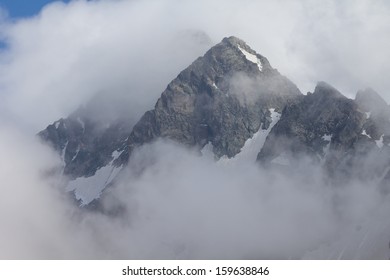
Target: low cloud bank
(175,203)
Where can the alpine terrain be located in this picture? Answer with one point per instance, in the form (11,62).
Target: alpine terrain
(221,99)
(232,103)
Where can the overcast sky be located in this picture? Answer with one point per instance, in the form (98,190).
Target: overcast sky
(57,59)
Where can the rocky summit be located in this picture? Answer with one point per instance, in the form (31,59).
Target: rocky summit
(349,138)
(222,100)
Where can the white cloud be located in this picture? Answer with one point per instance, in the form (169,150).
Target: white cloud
(186,206)
(60,58)
(35,216)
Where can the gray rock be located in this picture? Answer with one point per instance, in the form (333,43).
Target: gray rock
(223,98)
(85,145)
(336,132)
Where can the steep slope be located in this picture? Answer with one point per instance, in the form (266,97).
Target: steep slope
(88,140)
(307,126)
(377,113)
(348,137)
(377,129)
(223,98)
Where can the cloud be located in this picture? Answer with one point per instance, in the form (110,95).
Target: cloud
(34,216)
(58,59)
(185,206)
(181,205)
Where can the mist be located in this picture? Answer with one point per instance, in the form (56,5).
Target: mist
(70,52)
(174,203)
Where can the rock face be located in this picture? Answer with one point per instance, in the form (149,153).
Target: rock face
(85,145)
(348,137)
(377,113)
(233,101)
(222,98)
(307,126)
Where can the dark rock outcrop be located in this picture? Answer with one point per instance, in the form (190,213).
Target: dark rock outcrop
(222,98)
(346,136)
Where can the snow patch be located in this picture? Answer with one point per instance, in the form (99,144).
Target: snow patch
(252,58)
(57,124)
(63,152)
(214,85)
(115,155)
(365,133)
(253,145)
(87,189)
(77,152)
(81,123)
(368,114)
(207,150)
(379,142)
(328,138)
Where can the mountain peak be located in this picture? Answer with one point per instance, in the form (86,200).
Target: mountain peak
(210,101)
(326,90)
(234,41)
(222,99)
(234,54)
(369,100)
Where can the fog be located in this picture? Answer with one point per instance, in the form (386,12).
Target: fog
(174,203)
(187,206)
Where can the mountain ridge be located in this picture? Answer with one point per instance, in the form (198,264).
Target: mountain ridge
(223,99)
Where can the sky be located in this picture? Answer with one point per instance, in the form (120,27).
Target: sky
(82,48)
(58,59)
(21,8)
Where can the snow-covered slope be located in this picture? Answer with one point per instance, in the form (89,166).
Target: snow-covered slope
(87,189)
(251,147)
